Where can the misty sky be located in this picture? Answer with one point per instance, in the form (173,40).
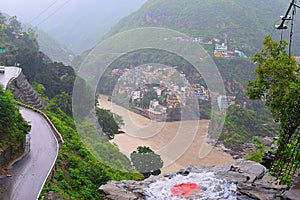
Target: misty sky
(71,20)
(32,10)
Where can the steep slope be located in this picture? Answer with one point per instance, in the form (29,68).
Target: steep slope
(54,49)
(244,23)
(13,129)
(77,172)
(47,44)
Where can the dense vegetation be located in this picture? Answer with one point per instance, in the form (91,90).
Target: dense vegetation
(278,85)
(50,46)
(246,118)
(242,124)
(109,122)
(22,47)
(13,127)
(244,23)
(146,161)
(54,49)
(77,173)
(235,73)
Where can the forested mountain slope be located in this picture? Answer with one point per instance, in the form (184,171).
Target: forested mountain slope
(240,24)
(244,23)
(13,129)
(77,173)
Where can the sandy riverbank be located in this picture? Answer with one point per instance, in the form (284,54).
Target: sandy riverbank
(180,144)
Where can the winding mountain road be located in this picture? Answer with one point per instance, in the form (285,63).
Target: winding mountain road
(30,173)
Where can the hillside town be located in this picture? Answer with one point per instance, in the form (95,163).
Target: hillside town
(221,46)
(158,91)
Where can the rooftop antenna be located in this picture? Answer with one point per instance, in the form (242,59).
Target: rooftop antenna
(288,17)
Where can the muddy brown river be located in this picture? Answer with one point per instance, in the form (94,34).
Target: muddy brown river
(179,144)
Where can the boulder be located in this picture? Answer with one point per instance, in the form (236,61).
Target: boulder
(244,180)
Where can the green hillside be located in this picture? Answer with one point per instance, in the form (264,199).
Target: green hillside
(78,172)
(244,22)
(13,129)
(54,49)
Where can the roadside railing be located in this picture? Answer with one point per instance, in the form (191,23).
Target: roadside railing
(55,131)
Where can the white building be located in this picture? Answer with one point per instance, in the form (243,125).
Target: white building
(135,95)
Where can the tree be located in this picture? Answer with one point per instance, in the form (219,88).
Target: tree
(13,127)
(278,84)
(148,96)
(107,122)
(146,161)
(15,24)
(64,101)
(174,114)
(7,109)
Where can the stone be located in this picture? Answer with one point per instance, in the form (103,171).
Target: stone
(169,175)
(184,172)
(108,192)
(251,181)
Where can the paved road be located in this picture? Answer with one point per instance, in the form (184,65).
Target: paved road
(30,173)
(10,73)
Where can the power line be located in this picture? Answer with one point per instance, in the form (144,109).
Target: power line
(45,10)
(53,13)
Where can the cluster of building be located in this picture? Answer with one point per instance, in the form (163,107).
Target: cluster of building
(117,72)
(201,92)
(221,50)
(16,33)
(172,89)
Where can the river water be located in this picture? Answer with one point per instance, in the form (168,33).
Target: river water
(180,144)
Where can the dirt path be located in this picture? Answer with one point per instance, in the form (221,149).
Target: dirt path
(180,144)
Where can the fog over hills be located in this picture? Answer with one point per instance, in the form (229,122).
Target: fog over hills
(77,24)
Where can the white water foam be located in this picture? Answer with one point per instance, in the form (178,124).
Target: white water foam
(211,188)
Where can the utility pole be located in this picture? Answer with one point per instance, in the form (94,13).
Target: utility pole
(288,17)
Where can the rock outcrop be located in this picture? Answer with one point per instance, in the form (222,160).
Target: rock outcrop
(245,180)
(23,91)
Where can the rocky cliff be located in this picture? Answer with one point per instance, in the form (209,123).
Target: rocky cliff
(24,92)
(245,180)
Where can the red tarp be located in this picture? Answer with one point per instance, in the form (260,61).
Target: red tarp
(186,189)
